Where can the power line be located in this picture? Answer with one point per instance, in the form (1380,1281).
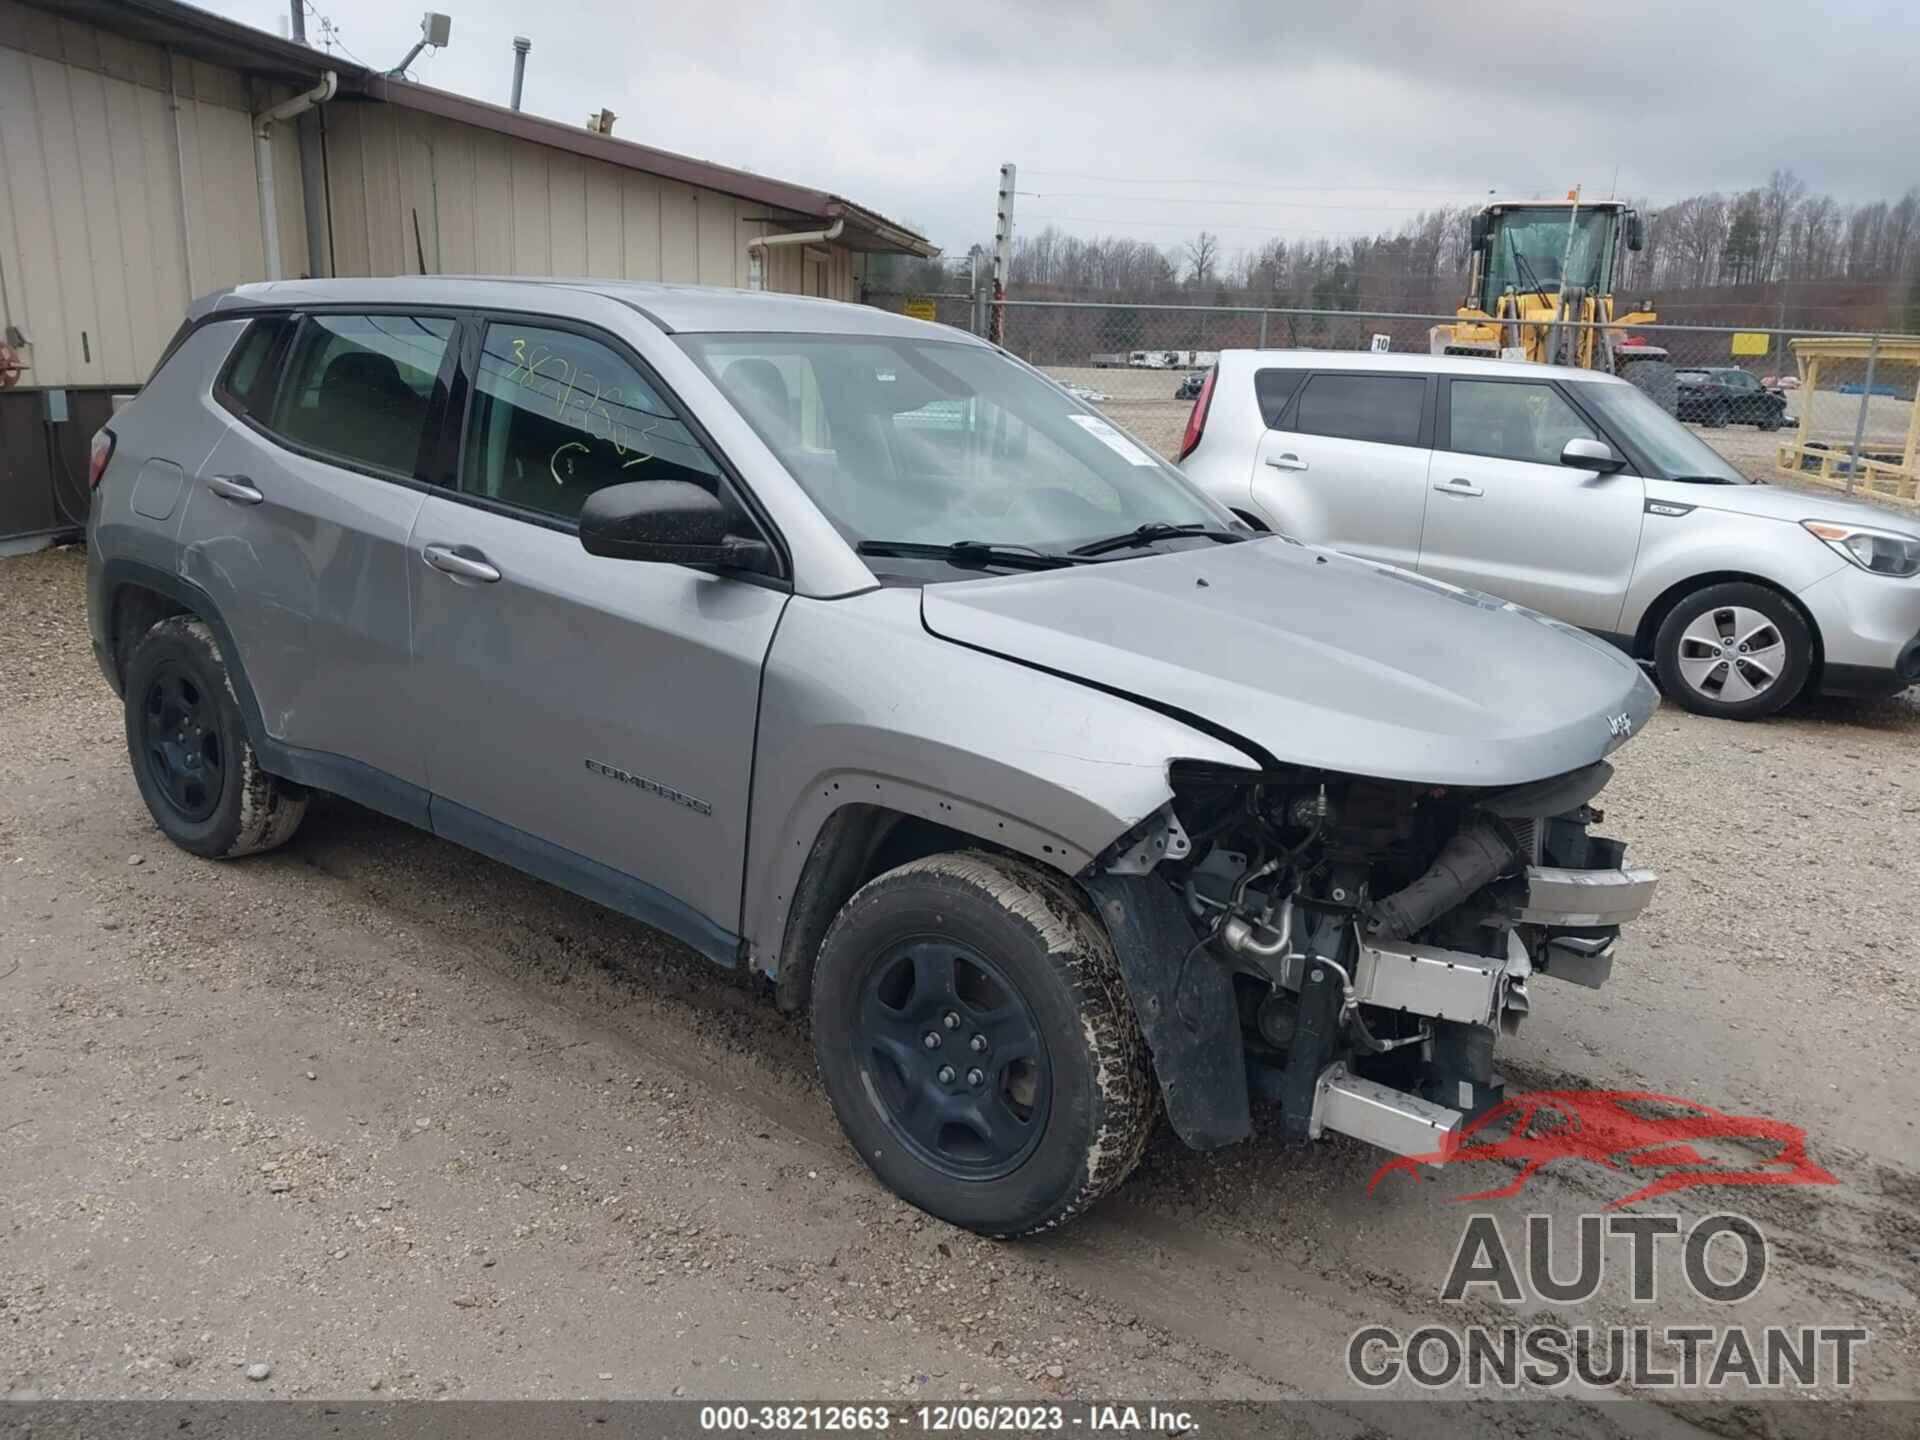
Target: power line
(1245,185)
(1517,193)
(330,35)
(1209,225)
(1218,200)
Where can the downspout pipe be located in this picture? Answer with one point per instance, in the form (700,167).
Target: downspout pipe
(263,124)
(757,248)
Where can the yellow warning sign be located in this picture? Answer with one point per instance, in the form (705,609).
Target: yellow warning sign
(1751,342)
(922,309)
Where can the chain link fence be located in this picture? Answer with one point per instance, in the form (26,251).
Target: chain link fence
(1816,408)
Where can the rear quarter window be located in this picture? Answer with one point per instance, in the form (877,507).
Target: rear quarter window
(1273,389)
(245,385)
(1384,409)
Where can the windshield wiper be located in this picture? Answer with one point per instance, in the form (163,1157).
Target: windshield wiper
(968,552)
(1151,531)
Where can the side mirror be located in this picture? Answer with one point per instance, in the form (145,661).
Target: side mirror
(669,522)
(1594,455)
(1636,231)
(1477,234)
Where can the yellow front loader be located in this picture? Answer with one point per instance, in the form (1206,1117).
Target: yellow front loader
(1542,286)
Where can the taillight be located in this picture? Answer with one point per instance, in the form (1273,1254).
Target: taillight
(1197,421)
(98,454)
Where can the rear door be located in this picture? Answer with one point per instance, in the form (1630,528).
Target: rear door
(592,719)
(1343,460)
(297,525)
(1505,516)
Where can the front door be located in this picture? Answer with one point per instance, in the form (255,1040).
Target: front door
(1348,466)
(592,719)
(1505,516)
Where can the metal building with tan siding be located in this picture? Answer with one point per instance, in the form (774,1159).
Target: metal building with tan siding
(134,175)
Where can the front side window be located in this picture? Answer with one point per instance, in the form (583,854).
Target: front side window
(1381,408)
(932,442)
(359,387)
(1512,421)
(557,416)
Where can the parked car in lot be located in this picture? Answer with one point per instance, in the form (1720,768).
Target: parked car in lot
(1728,395)
(1190,387)
(849,650)
(1570,492)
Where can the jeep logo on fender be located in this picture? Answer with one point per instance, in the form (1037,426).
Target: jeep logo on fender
(653,787)
(1620,726)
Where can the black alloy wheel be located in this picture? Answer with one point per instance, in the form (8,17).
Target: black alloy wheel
(191,755)
(958,1065)
(975,1036)
(179,742)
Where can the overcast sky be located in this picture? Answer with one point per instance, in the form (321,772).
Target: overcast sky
(1248,117)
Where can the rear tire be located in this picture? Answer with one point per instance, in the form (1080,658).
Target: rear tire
(1701,663)
(191,758)
(976,1040)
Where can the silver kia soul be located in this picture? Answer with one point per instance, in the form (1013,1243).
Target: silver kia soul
(1572,492)
(848,649)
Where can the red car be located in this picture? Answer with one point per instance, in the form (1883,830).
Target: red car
(1676,1143)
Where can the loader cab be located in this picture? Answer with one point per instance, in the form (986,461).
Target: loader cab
(1539,249)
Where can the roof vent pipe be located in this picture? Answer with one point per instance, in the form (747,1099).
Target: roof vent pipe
(521,45)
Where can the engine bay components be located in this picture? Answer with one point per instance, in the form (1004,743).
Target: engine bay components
(1376,936)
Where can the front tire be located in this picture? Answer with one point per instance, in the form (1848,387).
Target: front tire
(1736,651)
(191,758)
(974,1035)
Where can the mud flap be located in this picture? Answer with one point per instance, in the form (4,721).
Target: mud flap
(1186,1009)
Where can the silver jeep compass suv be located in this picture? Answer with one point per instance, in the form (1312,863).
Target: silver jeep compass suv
(848,649)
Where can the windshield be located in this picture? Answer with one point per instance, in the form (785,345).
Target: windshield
(1529,251)
(1671,450)
(932,442)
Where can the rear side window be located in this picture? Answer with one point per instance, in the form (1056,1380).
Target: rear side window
(557,416)
(1274,388)
(1382,408)
(246,384)
(359,387)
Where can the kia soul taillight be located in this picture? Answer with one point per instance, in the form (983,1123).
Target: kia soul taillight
(1197,421)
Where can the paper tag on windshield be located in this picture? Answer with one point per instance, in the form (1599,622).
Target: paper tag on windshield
(1112,439)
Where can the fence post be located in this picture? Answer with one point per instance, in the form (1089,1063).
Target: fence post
(1002,256)
(1263,329)
(1860,424)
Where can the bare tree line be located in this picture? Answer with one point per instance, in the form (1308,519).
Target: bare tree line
(1837,262)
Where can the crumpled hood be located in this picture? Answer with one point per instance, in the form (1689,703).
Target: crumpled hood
(1318,659)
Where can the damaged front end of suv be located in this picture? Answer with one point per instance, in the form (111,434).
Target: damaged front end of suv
(1351,949)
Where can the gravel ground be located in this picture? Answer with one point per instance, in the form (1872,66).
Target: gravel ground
(385,1118)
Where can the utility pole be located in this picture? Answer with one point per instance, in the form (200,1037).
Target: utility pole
(1002,256)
